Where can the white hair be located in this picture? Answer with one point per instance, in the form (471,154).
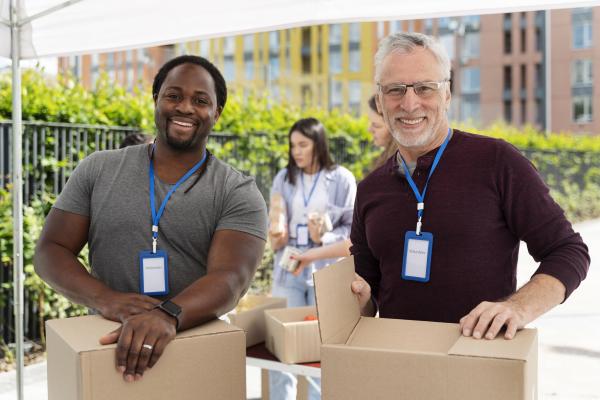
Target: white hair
(406,42)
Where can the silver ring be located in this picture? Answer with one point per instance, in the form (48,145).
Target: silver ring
(147,346)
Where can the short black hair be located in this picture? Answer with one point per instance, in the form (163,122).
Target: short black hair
(220,85)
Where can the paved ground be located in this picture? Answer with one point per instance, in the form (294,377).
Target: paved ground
(569,364)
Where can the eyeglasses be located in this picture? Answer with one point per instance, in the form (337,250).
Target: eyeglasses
(422,89)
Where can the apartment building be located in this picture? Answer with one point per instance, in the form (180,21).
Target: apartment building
(499,65)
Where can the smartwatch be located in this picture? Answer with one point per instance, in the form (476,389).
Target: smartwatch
(170,308)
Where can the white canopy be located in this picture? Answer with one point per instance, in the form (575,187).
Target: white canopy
(86,26)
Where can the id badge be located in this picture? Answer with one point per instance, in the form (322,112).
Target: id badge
(416,262)
(154,273)
(302,235)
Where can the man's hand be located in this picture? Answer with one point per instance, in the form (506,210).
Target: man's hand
(362,289)
(488,318)
(141,341)
(119,306)
(536,297)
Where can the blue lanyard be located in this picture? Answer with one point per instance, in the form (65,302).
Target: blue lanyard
(421,197)
(156,216)
(312,190)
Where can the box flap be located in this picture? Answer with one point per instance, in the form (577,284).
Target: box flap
(519,348)
(82,333)
(337,307)
(405,335)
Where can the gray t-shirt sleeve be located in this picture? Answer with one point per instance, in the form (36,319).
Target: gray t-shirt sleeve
(76,195)
(244,208)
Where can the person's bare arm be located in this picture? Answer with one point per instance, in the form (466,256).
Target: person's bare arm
(55,260)
(539,295)
(232,261)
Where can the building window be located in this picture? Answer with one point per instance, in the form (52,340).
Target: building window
(507,33)
(354,96)
(395,26)
(354,32)
(228,63)
(508,111)
(335,61)
(470,81)
(539,76)
(335,94)
(507,77)
(523,111)
(447,41)
(354,59)
(335,34)
(581,73)
(507,42)
(539,112)
(274,55)
(380,29)
(523,77)
(249,57)
(470,109)
(539,29)
(428,23)
(205,48)
(470,48)
(582,28)
(582,109)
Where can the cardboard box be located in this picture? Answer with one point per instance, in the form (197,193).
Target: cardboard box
(250,316)
(378,358)
(290,338)
(206,362)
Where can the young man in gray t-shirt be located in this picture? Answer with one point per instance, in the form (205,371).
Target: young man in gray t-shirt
(174,234)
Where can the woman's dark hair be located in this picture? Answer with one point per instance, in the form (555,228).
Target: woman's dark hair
(373,104)
(313,129)
(220,85)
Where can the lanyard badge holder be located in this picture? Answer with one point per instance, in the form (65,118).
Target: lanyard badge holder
(302,234)
(154,269)
(416,260)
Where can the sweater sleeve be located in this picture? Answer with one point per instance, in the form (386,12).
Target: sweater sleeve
(535,218)
(365,263)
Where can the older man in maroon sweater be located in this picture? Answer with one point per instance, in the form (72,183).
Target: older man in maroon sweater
(454,257)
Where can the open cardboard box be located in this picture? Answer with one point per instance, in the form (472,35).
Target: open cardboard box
(249,315)
(378,358)
(206,362)
(290,338)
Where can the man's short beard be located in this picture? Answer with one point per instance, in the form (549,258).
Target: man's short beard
(178,145)
(414,141)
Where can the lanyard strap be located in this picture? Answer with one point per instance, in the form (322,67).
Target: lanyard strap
(421,196)
(156,215)
(312,190)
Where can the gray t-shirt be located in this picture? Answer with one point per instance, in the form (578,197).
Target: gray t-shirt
(112,189)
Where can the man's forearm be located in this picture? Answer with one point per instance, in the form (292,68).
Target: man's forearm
(62,270)
(542,293)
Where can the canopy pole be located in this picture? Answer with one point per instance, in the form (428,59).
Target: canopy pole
(17,190)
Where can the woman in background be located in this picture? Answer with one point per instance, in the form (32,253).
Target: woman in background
(381,138)
(318,198)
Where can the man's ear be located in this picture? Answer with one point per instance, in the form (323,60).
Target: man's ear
(218,113)
(378,104)
(155,97)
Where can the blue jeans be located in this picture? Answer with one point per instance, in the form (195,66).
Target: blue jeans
(299,293)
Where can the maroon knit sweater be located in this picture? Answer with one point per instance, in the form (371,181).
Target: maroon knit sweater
(483,197)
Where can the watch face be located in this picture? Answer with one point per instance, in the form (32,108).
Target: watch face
(171,308)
